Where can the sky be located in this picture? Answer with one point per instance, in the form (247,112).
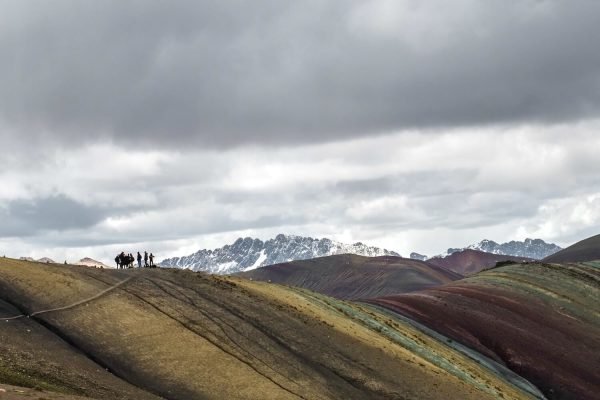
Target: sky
(414,125)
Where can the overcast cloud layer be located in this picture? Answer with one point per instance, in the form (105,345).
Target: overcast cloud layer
(226,73)
(414,125)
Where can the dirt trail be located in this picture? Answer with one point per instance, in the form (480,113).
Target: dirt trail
(73,305)
(34,353)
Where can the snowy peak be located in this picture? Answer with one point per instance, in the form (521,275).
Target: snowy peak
(530,248)
(248,253)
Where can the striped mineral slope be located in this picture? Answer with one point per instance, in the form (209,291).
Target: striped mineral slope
(541,320)
(350,276)
(184,335)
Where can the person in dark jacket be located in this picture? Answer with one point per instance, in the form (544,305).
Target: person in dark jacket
(139,260)
(146,259)
(121,260)
(151,260)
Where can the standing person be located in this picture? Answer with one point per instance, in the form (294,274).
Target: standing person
(139,258)
(117,259)
(145,259)
(151,260)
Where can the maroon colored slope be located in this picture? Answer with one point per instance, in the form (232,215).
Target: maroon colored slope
(468,262)
(353,277)
(542,321)
(585,250)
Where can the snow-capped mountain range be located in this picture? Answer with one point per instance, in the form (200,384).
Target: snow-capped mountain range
(530,248)
(248,253)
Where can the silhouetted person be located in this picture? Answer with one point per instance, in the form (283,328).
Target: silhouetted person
(146,259)
(122,260)
(151,260)
(118,261)
(139,259)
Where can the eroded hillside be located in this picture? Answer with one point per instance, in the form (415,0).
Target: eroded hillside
(183,335)
(541,320)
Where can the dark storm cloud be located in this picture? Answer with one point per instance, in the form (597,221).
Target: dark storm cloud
(56,213)
(225,73)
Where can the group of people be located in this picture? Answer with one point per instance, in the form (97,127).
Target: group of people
(127,260)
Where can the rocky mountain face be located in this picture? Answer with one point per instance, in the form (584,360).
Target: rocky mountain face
(247,253)
(529,248)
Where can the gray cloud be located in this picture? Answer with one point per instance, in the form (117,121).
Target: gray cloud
(221,74)
(416,125)
(152,230)
(417,184)
(54,213)
(458,181)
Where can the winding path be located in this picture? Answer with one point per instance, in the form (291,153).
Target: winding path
(67,307)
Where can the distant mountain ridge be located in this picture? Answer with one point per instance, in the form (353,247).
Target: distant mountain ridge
(469,261)
(536,249)
(45,260)
(247,253)
(584,250)
(87,262)
(417,256)
(90,262)
(352,277)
